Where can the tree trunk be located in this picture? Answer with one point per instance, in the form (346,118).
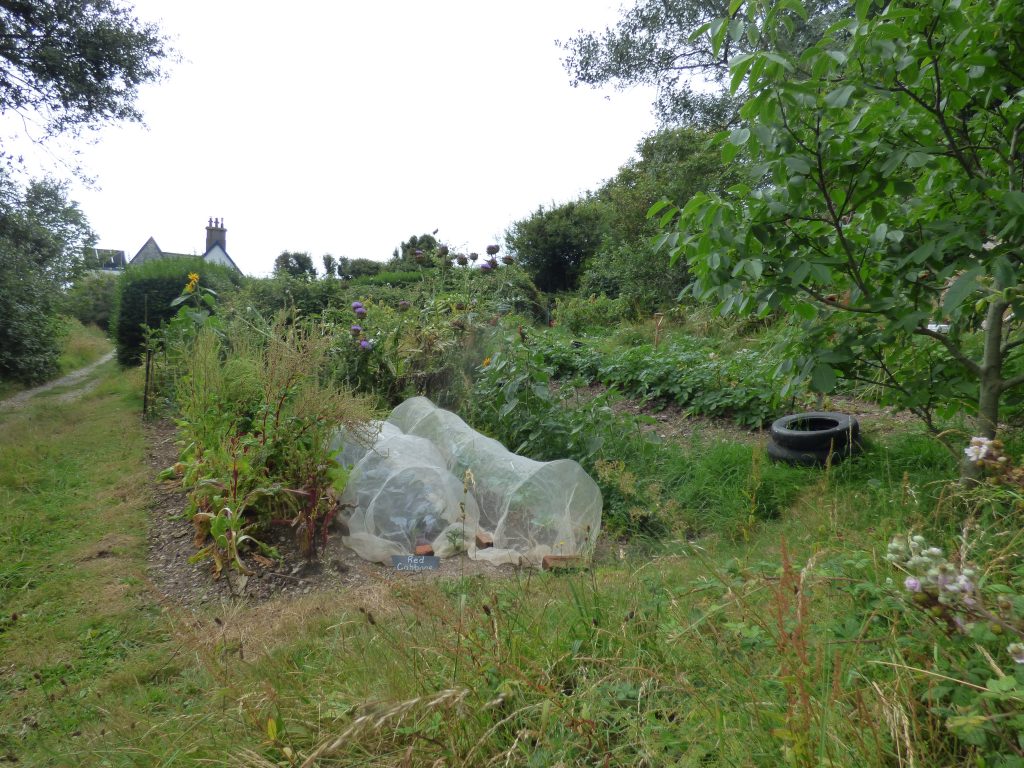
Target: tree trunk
(990,383)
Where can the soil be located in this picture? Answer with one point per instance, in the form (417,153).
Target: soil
(171,544)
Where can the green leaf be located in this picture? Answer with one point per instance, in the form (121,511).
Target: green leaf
(823,378)
(180,299)
(1014,201)
(739,136)
(961,289)
(840,97)
(806,310)
(798,165)
(1005,274)
(918,159)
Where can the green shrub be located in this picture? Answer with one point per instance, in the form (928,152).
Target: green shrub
(644,281)
(145,293)
(578,314)
(91,299)
(31,332)
(391,277)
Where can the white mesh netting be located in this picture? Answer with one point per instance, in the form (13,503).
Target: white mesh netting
(406,490)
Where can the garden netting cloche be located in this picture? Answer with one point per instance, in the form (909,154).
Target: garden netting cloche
(430,478)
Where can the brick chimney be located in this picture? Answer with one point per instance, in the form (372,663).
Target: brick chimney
(215,233)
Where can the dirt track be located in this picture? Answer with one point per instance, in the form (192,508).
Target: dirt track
(21,399)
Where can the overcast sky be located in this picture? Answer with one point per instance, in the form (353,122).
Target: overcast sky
(346,127)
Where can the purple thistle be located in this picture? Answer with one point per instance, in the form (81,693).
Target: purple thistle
(356,305)
(365,345)
(360,312)
(493,249)
(474,256)
(912,584)
(356,330)
(486,266)
(403,305)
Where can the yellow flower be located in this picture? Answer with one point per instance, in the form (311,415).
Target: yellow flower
(486,362)
(193,281)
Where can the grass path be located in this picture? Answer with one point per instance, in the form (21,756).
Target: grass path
(71,380)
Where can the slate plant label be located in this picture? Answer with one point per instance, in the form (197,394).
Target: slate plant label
(416,562)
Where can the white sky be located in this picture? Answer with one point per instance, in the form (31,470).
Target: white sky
(346,127)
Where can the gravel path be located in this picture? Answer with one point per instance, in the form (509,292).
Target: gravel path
(21,399)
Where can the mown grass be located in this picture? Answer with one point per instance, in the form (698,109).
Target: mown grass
(84,344)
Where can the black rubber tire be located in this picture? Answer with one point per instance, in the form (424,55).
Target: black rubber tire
(809,458)
(828,430)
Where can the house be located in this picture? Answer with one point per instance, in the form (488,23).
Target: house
(216,248)
(106,259)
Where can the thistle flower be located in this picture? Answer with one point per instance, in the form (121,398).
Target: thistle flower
(474,256)
(912,584)
(442,251)
(356,330)
(366,345)
(403,305)
(493,262)
(506,259)
(361,312)
(486,266)
(461,259)
(357,305)
(493,249)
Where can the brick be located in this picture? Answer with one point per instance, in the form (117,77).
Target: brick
(484,540)
(424,549)
(561,562)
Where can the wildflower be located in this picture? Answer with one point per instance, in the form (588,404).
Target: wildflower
(361,312)
(462,260)
(1016,651)
(356,330)
(493,249)
(357,305)
(486,362)
(403,305)
(507,259)
(442,251)
(912,584)
(493,262)
(979,449)
(366,345)
(486,266)
(193,281)
(474,256)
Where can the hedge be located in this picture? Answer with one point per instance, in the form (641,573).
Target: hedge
(144,296)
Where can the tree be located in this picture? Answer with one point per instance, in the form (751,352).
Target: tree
(295,264)
(417,251)
(70,64)
(363,267)
(663,43)
(674,164)
(552,245)
(888,209)
(42,236)
(330,266)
